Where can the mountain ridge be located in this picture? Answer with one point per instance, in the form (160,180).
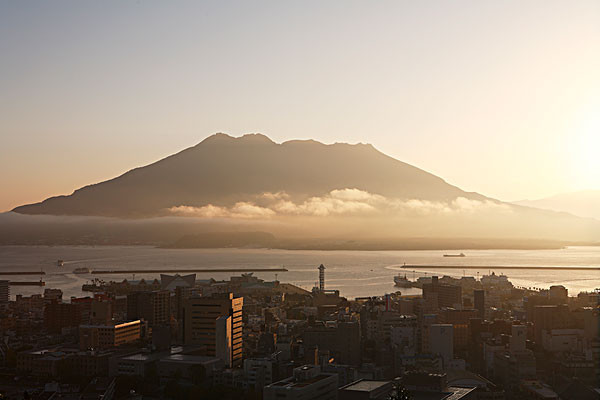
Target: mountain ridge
(222,170)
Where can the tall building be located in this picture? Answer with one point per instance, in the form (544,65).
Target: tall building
(342,342)
(62,315)
(441,341)
(153,307)
(4,291)
(479,300)
(204,326)
(447,295)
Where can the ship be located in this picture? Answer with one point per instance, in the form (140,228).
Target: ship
(60,263)
(455,255)
(82,270)
(402,281)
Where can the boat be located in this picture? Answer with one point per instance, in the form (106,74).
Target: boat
(455,255)
(402,281)
(60,263)
(82,270)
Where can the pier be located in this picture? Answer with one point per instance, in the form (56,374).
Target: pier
(16,273)
(500,267)
(200,270)
(33,283)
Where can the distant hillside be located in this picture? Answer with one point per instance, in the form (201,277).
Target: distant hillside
(583,204)
(223,170)
(211,240)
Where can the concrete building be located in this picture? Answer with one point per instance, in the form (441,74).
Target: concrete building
(366,390)
(479,302)
(185,365)
(58,316)
(307,382)
(441,341)
(4,291)
(107,336)
(447,295)
(153,307)
(203,325)
(259,372)
(342,341)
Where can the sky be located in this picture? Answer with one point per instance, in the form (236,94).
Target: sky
(498,97)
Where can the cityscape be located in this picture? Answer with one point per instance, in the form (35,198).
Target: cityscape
(246,338)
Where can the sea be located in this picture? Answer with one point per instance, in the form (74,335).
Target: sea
(353,273)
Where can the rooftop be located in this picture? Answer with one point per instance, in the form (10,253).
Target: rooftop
(365,385)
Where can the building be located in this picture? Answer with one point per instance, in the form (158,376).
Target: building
(107,336)
(203,326)
(259,372)
(4,291)
(187,365)
(479,300)
(518,338)
(366,390)
(58,316)
(441,342)
(171,282)
(342,341)
(447,295)
(307,382)
(153,307)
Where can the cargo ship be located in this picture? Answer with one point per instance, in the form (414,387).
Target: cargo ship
(455,255)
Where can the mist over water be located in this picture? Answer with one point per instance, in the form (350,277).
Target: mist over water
(354,273)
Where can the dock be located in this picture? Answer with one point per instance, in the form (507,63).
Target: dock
(185,271)
(16,273)
(500,267)
(33,283)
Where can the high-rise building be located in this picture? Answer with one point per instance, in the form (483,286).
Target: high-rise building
(204,326)
(441,341)
(479,300)
(447,295)
(153,307)
(4,291)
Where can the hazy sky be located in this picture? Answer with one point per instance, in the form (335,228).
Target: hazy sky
(499,97)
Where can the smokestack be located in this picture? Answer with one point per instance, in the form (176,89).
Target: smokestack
(321,277)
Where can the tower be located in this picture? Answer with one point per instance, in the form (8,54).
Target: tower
(321,277)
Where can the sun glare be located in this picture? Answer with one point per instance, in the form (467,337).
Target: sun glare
(585,153)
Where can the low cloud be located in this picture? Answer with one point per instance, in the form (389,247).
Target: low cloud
(351,202)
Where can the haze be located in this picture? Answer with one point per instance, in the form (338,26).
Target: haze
(501,98)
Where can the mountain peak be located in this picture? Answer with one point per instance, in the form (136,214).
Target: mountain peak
(248,138)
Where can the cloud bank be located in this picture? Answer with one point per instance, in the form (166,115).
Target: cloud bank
(339,202)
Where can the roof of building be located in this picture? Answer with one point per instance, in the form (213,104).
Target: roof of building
(365,385)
